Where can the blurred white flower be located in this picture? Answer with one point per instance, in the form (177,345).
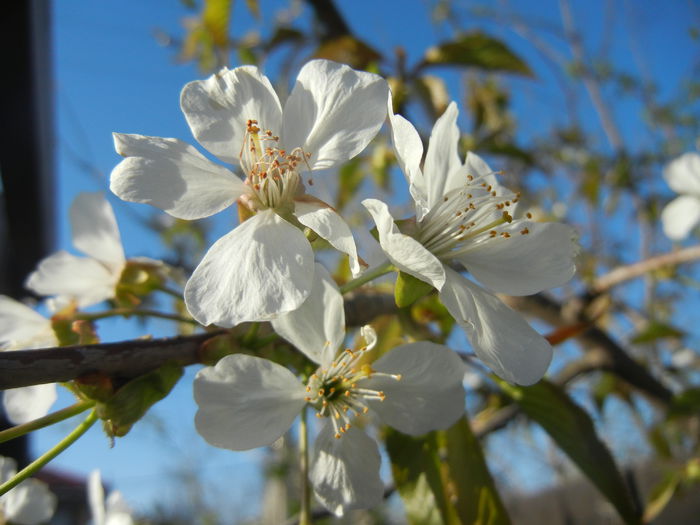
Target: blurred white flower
(86,280)
(29,503)
(23,328)
(681,215)
(264,267)
(463,216)
(113,510)
(247,402)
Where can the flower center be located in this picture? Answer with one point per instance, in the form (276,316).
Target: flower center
(271,172)
(336,391)
(467,217)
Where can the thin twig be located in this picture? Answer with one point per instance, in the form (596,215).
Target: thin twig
(638,269)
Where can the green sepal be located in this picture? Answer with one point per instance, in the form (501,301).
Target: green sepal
(138,279)
(132,400)
(409,289)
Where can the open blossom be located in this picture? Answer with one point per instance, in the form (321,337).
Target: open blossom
(87,280)
(110,511)
(23,328)
(247,402)
(29,503)
(263,267)
(463,217)
(682,214)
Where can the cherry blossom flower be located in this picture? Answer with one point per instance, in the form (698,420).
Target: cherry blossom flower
(247,402)
(682,214)
(29,503)
(113,510)
(23,328)
(463,217)
(263,267)
(86,280)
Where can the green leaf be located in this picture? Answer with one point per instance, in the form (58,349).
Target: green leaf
(686,403)
(656,330)
(572,430)
(409,289)
(476,50)
(131,402)
(415,464)
(476,499)
(351,176)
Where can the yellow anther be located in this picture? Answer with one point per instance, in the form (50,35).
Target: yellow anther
(507,217)
(524,231)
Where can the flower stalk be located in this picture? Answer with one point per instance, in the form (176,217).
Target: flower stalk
(368,276)
(47,420)
(42,460)
(305,513)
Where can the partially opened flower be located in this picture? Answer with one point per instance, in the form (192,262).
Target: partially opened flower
(682,214)
(29,503)
(86,280)
(247,402)
(110,511)
(463,217)
(23,328)
(263,267)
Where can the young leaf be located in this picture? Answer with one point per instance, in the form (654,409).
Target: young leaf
(572,430)
(476,50)
(409,289)
(415,465)
(476,499)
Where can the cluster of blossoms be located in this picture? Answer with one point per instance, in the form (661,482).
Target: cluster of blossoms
(265,268)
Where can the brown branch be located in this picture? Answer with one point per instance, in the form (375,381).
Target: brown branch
(129,359)
(124,359)
(638,269)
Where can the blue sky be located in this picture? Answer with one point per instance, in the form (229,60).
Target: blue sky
(111,75)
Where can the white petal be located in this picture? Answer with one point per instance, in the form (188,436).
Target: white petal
(29,503)
(680,216)
(409,152)
(501,337)
(333,112)
(86,280)
(246,402)
(524,264)
(405,253)
(218,108)
(173,176)
(330,226)
(19,323)
(429,396)
(96,497)
(8,468)
(29,402)
(317,327)
(261,269)
(442,158)
(476,167)
(118,512)
(683,174)
(95,230)
(345,471)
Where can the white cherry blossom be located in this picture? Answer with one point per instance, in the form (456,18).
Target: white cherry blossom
(29,503)
(110,511)
(682,214)
(264,267)
(463,217)
(86,280)
(23,328)
(247,402)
